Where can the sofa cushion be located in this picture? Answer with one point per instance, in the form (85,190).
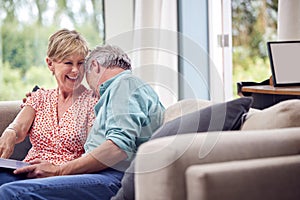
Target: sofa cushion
(282,115)
(217,117)
(184,107)
(267,178)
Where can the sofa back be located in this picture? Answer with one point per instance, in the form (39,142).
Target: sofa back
(184,107)
(8,112)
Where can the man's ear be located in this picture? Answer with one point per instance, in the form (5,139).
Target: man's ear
(96,66)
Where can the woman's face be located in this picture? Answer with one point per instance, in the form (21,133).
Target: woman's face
(68,72)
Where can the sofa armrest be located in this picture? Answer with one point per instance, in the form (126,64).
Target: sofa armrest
(268,178)
(161,163)
(8,112)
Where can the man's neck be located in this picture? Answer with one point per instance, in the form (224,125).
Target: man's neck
(110,73)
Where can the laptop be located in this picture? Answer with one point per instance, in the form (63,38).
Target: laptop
(285,62)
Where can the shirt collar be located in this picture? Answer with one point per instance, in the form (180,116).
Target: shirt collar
(107,83)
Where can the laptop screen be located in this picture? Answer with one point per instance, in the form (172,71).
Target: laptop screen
(285,62)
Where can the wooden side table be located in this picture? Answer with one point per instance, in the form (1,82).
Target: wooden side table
(268,95)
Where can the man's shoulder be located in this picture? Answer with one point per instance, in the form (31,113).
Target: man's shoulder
(129,80)
(125,76)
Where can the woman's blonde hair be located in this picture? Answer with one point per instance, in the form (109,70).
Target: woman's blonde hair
(64,43)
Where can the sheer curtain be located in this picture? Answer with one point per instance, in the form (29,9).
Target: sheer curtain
(288,20)
(155,54)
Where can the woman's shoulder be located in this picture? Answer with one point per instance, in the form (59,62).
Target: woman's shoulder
(38,98)
(44,92)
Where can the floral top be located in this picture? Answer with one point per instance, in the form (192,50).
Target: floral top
(59,141)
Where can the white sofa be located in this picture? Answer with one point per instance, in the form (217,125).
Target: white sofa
(261,161)
(245,164)
(241,165)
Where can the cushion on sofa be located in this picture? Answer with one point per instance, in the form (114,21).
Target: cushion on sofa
(251,112)
(217,117)
(183,107)
(282,115)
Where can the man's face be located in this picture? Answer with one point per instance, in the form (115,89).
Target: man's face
(95,76)
(98,75)
(90,77)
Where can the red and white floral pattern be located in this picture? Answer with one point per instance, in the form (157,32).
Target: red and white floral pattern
(59,141)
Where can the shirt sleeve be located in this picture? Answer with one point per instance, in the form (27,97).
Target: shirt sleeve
(91,116)
(35,100)
(127,116)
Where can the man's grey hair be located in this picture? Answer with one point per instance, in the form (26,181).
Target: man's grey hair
(108,56)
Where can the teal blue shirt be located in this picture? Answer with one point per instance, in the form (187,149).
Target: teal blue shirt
(128,112)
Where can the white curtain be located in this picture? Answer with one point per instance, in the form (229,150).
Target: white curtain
(288,20)
(155,47)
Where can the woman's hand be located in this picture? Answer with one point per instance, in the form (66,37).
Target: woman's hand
(7,143)
(39,169)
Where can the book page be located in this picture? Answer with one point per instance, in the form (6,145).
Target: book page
(12,164)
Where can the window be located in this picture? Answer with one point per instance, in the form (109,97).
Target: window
(25,28)
(242,57)
(253,24)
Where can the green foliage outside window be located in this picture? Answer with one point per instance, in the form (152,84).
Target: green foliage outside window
(15,83)
(25,27)
(254,22)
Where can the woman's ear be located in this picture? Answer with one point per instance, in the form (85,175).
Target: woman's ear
(50,64)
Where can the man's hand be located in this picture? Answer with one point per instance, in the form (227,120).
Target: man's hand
(39,169)
(28,94)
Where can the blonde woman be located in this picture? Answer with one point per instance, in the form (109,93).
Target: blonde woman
(56,120)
